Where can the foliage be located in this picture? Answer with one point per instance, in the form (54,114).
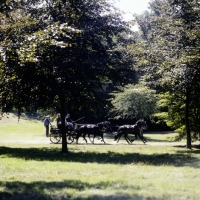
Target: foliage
(171,112)
(133,102)
(59,53)
(59,47)
(171,34)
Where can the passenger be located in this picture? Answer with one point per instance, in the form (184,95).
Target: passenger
(58,121)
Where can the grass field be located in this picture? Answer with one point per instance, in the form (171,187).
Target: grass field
(32,167)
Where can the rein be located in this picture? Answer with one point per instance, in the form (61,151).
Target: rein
(78,119)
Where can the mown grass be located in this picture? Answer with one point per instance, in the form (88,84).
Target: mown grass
(33,168)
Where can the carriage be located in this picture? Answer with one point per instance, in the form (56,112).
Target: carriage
(97,130)
(80,130)
(56,135)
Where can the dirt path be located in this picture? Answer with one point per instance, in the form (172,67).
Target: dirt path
(46,140)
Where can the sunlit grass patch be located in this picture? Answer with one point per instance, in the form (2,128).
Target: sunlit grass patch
(33,168)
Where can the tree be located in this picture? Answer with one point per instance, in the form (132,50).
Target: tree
(64,53)
(133,102)
(172,35)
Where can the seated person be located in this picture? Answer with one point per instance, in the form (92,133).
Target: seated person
(69,122)
(58,121)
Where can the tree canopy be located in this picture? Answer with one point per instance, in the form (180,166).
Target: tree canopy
(59,53)
(171,34)
(133,102)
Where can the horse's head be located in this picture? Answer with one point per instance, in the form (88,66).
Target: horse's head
(105,125)
(116,135)
(142,124)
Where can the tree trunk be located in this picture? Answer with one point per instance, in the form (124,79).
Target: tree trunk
(62,112)
(187,121)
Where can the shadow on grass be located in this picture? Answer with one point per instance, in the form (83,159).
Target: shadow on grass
(194,146)
(16,190)
(131,136)
(45,154)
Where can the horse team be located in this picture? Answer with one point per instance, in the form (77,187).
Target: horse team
(97,130)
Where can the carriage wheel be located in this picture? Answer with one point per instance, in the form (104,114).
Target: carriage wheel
(55,137)
(70,139)
(70,136)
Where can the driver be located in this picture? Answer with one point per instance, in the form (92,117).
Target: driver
(69,122)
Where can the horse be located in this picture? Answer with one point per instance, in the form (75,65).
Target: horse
(93,129)
(136,130)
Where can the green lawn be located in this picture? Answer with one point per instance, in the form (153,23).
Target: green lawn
(33,168)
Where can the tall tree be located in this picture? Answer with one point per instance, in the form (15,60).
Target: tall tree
(172,36)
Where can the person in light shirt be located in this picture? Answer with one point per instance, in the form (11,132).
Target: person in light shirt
(69,122)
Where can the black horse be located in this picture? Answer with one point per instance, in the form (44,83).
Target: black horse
(97,130)
(136,130)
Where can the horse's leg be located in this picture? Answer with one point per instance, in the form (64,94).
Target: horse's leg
(119,138)
(134,138)
(145,139)
(130,140)
(102,138)
(76,140)
(127,138)
(93,138)
(83,136)
(77,137)
(142,138)
(90,138)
